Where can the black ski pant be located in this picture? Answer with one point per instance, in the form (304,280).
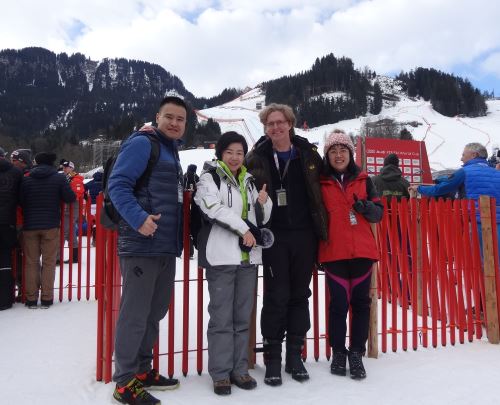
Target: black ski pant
(349,284)
(288,268)
(7,242)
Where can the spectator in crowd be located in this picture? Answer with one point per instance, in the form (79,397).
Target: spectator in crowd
(191,178)
(75,181)
(41,195)
(21,158)
(352,203)
(150,238)
(390,182)
(231,269)
(94,186)
(10,182)
(290,167)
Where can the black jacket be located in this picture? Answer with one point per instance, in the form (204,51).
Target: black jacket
(94,186)
(302,185)
(41,195)
(10,183)
(391,183)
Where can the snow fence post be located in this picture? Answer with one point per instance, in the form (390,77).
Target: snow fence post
(489,271)
(373,327)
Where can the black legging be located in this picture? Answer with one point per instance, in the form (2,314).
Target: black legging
(349,284)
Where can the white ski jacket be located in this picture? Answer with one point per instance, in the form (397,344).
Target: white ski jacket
(224,207)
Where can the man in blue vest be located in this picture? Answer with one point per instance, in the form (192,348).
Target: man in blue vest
(150,239)
(475,178)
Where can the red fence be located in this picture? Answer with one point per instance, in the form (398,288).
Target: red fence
(71,278)
(433,283)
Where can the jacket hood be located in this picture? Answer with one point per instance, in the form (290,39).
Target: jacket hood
(41,171)
(390,173)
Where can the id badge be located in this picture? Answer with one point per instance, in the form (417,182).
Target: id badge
(180,193)
(281,197)
(352,218)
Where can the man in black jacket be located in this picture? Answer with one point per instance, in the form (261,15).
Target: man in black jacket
(290,167)
(10,182)
(41,195)
(390,182)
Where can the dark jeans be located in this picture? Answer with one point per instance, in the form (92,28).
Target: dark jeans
(345,291)
(7,243)
(287,274)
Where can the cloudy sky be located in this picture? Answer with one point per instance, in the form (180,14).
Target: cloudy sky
(213,44)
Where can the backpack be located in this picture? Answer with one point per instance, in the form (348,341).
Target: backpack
(110,217)
(197,219)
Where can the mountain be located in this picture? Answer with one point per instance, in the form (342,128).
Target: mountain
(48,100)
(69,98)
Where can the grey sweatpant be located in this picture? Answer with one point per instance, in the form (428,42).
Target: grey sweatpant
(232,292)
(146,291)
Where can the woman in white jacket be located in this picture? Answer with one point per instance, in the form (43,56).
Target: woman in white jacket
(231,256)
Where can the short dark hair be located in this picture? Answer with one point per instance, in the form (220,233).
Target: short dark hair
(226,139)
(174,100)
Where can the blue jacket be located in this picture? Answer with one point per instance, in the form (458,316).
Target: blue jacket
(476,176)
(159,196)
(41,195)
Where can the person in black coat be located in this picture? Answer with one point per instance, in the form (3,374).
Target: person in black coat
(10,182)
(390,182)
(41,195)
(191,178)
(94,186)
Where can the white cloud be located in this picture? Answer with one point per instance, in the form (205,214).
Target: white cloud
(492,64)
(233,43)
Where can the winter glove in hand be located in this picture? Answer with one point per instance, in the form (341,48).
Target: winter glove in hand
(359,205)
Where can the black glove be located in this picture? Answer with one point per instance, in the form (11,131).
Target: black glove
(359,205)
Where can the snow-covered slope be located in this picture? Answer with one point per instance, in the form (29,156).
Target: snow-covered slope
(444,137)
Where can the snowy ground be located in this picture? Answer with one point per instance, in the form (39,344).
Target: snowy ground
(49,357)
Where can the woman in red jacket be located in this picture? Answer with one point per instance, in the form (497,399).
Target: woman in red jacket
(350,251)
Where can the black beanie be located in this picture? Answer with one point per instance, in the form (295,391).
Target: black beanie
(226,139)
(45,158)
(391,159)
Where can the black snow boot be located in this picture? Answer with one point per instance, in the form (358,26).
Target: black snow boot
(272,360)
(294,364)
(339,359)
(356,367)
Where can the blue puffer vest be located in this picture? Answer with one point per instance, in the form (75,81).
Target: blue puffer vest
(159,196)
(481,179)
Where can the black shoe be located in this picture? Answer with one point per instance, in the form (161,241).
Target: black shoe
(134,394)
(155,381)
(339,359)
(222,387)
(46,304)
(4,307)
(244,381)
(356,367)
(31,304)
(294,364)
